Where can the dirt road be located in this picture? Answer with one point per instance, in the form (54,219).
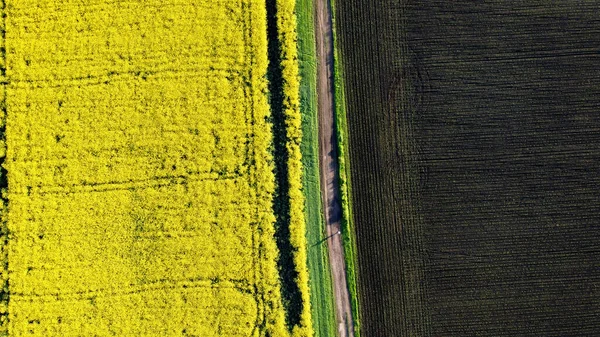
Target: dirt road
(329,167)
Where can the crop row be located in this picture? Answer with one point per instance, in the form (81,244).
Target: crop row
(287,29)
(474,166)
(4,277)
(383,167)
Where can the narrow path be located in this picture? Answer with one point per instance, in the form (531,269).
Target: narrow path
(329,167)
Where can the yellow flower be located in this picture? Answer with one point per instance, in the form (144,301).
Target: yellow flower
(140,176)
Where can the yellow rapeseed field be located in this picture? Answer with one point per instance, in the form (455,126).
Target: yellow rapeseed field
(139,169)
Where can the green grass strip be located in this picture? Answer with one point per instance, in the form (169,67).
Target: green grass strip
(350,251)
(321,289)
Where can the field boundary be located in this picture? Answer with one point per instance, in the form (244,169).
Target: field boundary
(321,288)
(290,199)
(341,129)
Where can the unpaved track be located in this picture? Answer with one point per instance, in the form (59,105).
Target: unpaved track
(329,167)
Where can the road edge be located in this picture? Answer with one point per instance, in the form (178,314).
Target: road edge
(320,279)
(350,250)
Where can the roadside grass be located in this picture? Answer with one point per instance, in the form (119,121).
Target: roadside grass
(321,288)
(341,127)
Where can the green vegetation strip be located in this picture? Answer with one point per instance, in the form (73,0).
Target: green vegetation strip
(321,289)
(349,236)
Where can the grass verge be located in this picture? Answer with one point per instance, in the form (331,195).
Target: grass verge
(349,236)
(321,289)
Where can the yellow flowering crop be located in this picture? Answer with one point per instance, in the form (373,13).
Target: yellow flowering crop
(140,177)
(286,22)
